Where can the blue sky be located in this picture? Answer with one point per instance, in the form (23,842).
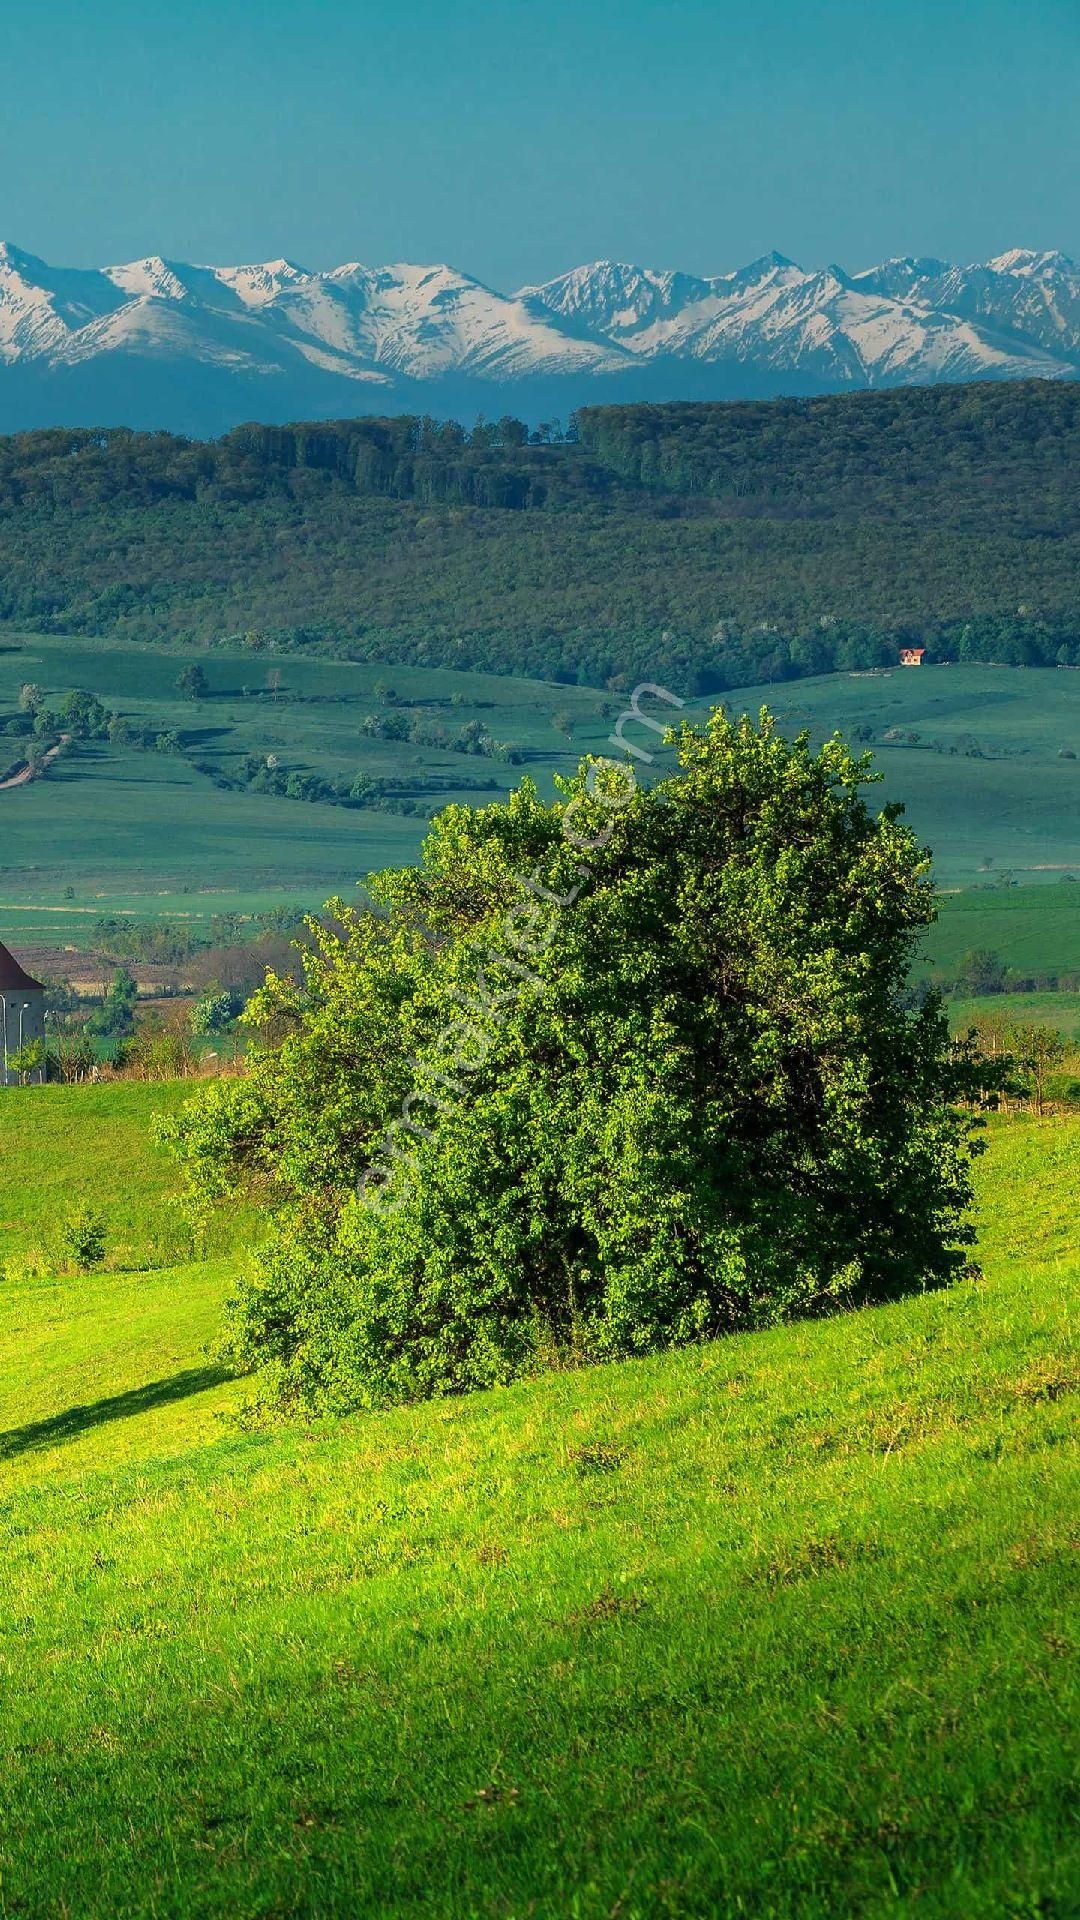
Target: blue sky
(519,139)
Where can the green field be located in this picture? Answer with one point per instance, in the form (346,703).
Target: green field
(94,1146)
(113,829)
(123,830)
(782,1626)
(1060,1010)
(985,783)
(1033,928)
(28,922)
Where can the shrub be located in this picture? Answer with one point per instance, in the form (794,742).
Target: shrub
(116,1015)
(982,972)
(627,1070)
(161,1049)
(27,1059)
(72,1057)
(82,1238)
(215,1012)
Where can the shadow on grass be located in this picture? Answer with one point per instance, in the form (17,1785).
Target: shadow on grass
(121,1406)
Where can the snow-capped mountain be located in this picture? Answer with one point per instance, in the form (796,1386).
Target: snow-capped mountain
(164,343)
(1035,296)
(355,321)
(885,327)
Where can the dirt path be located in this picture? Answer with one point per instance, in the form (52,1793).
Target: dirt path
(25,774)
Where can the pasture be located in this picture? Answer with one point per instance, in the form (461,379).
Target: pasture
(978,755)
(782,1625)
(975,753)
(1033,928)
(113,829)
(94,1146)
(1060,1010)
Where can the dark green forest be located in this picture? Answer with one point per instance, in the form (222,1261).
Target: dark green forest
(711,545)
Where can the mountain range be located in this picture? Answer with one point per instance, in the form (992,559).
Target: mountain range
(159,343)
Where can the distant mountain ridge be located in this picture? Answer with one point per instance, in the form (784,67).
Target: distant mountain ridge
(196,348)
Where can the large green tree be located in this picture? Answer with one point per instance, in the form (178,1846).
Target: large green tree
(599,1076)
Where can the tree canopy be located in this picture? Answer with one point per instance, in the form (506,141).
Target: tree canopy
(712,545)
(629,1069)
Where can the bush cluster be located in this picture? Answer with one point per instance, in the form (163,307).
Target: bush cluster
(600,1076)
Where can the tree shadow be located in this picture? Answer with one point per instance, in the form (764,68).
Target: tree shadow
(68,1425)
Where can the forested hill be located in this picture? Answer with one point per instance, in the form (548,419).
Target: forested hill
(709,544)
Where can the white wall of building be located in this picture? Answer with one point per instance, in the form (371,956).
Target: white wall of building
(22,1019)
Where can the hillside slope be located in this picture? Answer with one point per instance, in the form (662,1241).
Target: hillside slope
(782,1626)
(707,546)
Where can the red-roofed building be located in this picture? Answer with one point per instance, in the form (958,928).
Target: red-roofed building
(911,656)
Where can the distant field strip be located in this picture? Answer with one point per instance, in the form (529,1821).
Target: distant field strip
(978,755)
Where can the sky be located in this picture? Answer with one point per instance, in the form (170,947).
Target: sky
(517,138)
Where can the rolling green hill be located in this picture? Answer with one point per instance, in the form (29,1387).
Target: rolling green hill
(711,545)
(780,1626)
(978,755)
(1034,928)
(975,753)
(126,829)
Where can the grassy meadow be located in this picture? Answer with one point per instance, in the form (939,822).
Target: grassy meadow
(1034,928)
(779,1626)
(1059,1010)
(977,755)
(974,752)
(114,829)
(94,1146)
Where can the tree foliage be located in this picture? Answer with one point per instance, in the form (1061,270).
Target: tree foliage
(710,545)
(627,1070)
(116,1014)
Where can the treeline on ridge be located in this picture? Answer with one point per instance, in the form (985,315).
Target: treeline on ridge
(716,544)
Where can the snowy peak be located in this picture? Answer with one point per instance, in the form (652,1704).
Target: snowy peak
(149,279)
(907,320)
(1032,265)
(645,308)
(43,307)
(607,328)
(366,323)
(257,286)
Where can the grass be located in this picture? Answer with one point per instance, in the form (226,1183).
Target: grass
(1060,1010)
(975,754)
(68,1147)
(1035,928)
(124,829)
(132,1347)
(782,1626)
(115,830)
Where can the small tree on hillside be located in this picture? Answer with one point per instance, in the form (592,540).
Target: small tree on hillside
(982,972)
(27,1060)
(72,1057)
(215,1011)
(84,716)
(116,1015)
(82,1238)
(192,683)
(1038,1051)
(630,1069)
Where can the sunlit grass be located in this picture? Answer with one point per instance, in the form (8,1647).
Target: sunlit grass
(779,1626)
